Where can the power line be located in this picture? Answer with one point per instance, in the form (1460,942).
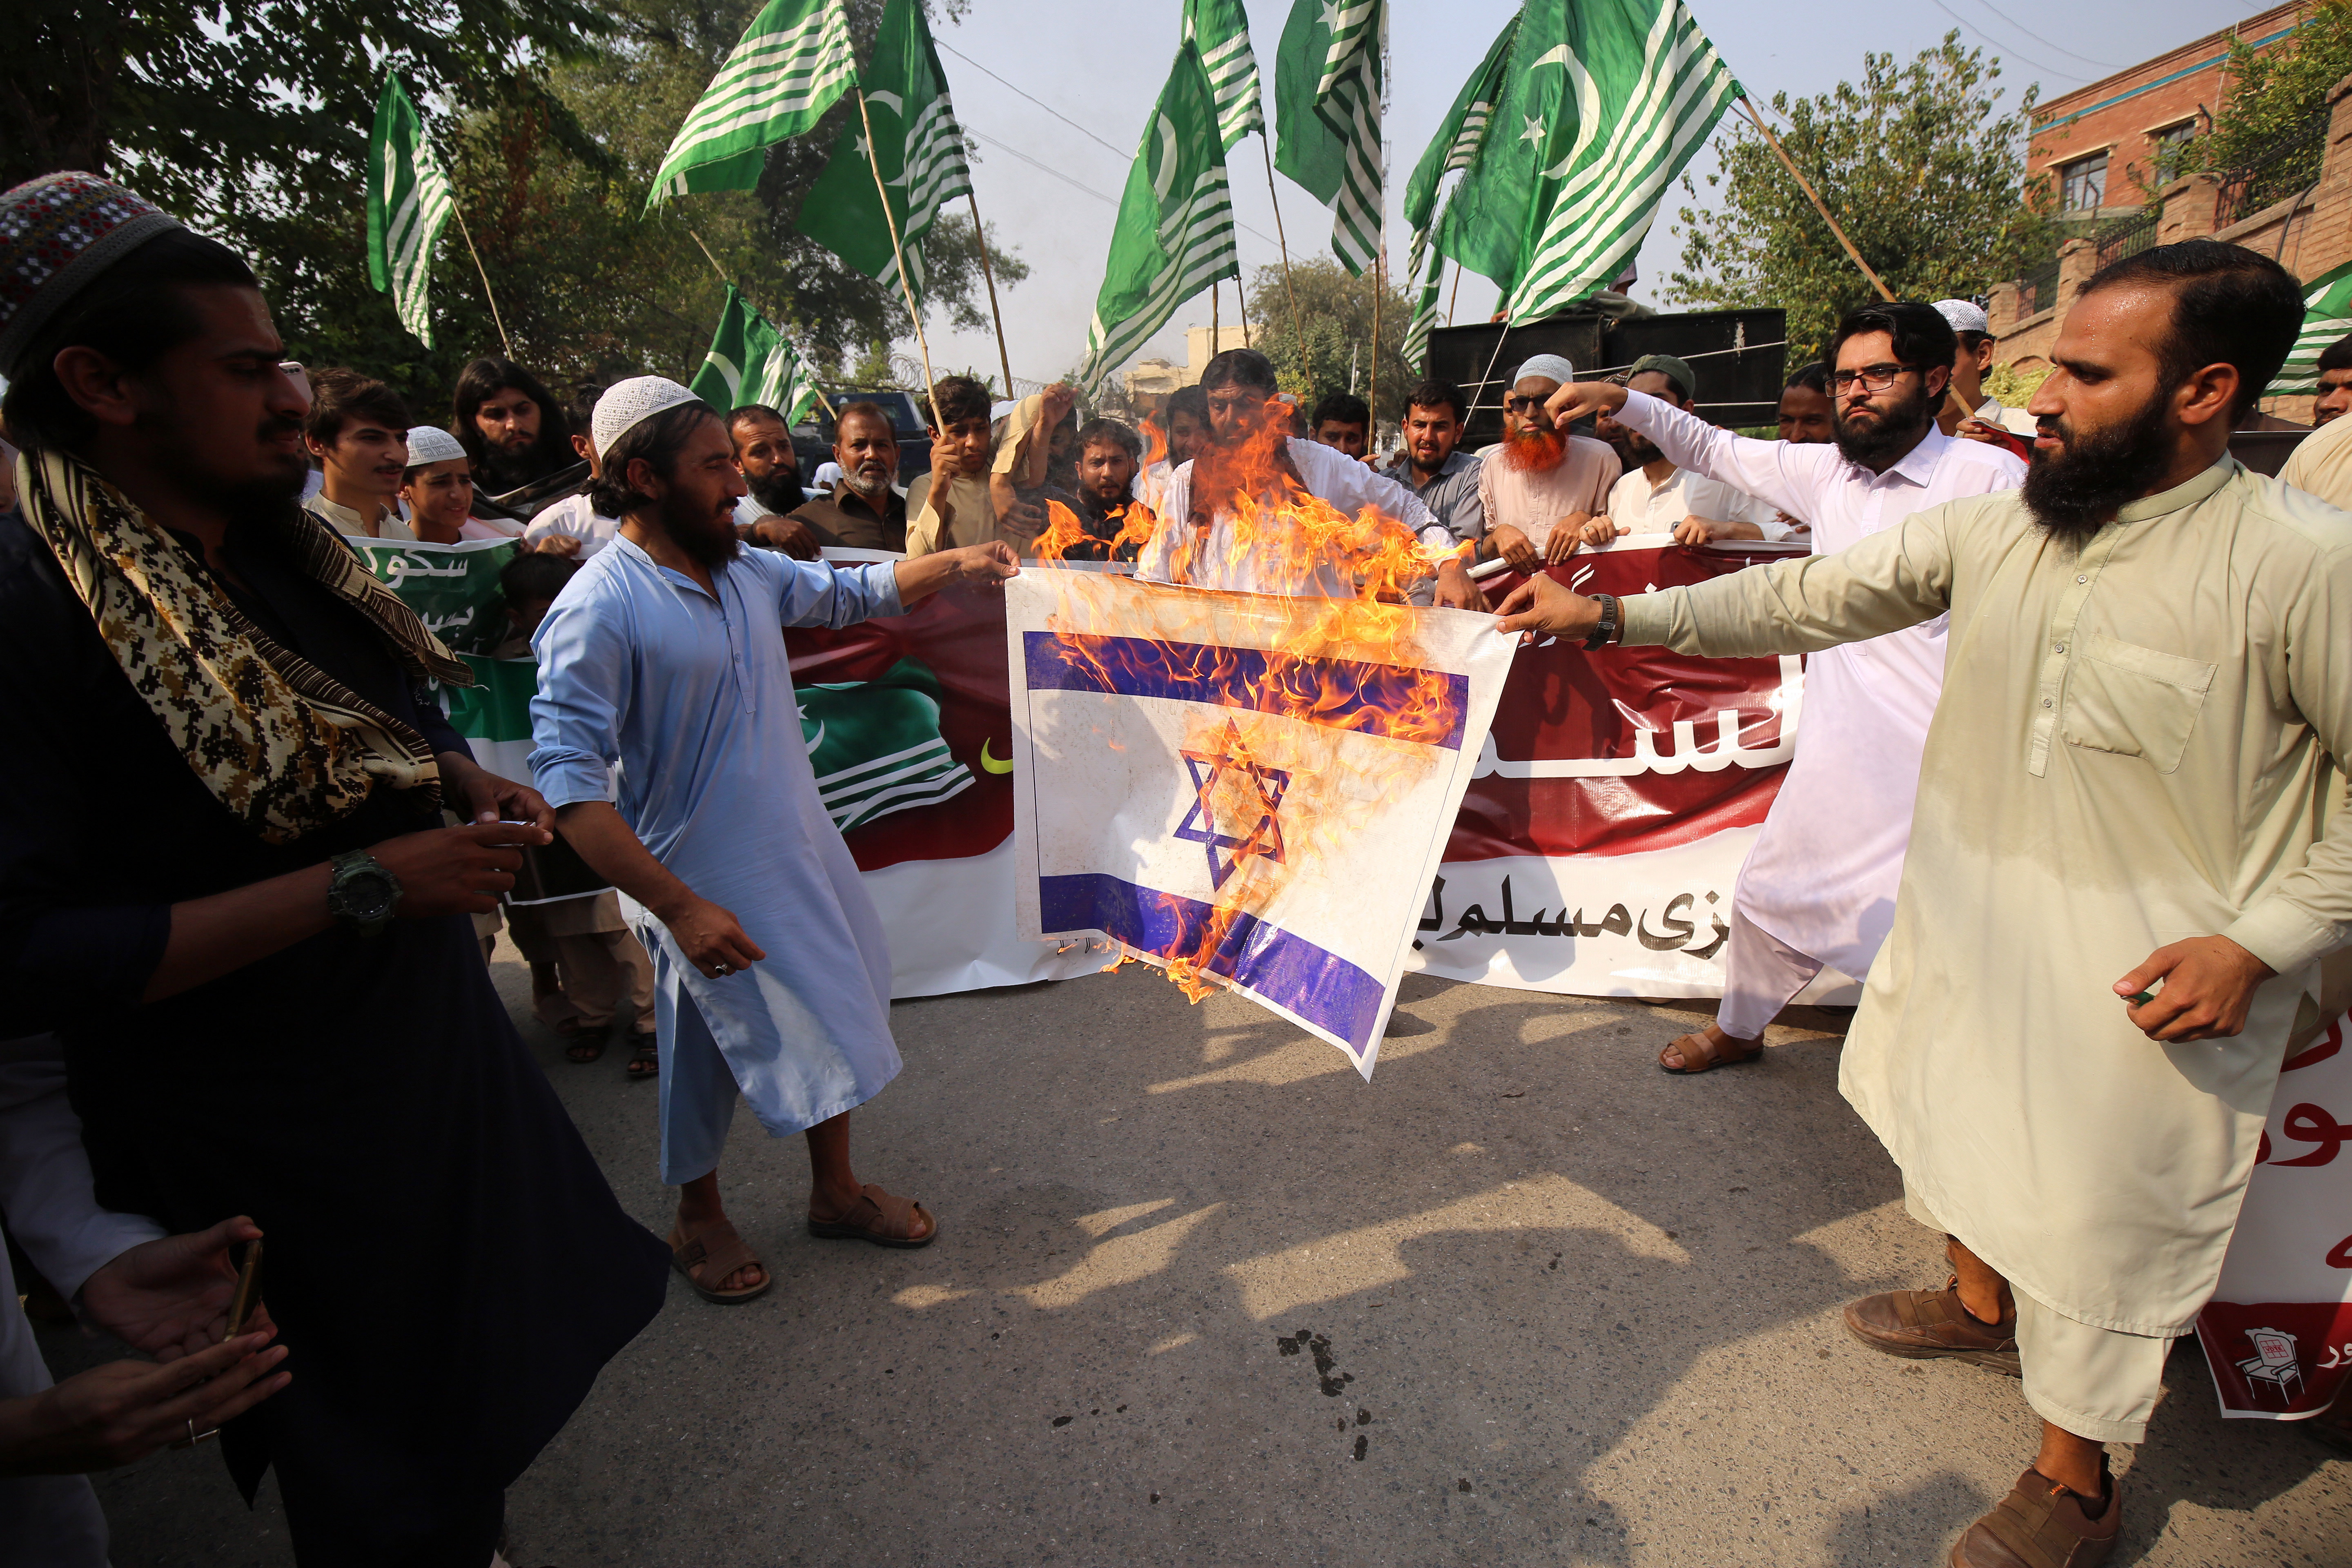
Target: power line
(1047,168)
(2103,64)
(1032,97)
(1996,43)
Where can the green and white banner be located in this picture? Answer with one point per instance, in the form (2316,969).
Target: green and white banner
(793,63)
(409,205)
(1219,30)
(1328,100)
(2326,318)
(454,589)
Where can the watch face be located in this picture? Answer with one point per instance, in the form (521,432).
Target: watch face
(368,897)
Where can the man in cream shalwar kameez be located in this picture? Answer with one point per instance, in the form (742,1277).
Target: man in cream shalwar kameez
(2126,781)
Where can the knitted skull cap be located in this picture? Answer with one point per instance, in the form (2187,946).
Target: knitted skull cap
(1965,315)
(1551,367)
(431,444)
(58,233)
(629,404)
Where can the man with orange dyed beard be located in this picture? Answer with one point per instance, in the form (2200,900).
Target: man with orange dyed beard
(1543,483)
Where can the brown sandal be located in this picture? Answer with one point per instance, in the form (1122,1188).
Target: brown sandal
(644,1058)
(883,1218)
(1699,1053)
(719,1251)
(2041,1524)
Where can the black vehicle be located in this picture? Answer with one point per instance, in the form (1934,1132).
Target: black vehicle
(813,442)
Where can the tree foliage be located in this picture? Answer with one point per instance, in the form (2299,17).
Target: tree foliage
(1333,332)
(1921,165)
(553,114)
(2278,91)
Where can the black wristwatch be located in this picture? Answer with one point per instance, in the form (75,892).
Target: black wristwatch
(1606,632)
(362,892)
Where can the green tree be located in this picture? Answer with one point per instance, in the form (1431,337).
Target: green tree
(1333,333)
(2274,94)
(1924,170)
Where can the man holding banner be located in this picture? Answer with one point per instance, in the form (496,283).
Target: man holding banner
(2100,950)
(670,743)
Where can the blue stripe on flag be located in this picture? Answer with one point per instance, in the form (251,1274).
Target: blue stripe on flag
(1289,970)
(1386,699)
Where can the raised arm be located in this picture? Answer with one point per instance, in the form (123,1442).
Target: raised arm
(1788,474)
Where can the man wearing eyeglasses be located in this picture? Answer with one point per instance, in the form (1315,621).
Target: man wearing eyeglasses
(1818,888)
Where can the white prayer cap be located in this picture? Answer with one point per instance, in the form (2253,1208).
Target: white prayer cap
(1965,315)
(629,404)
(431,444)
(1551,367)
(1003,410)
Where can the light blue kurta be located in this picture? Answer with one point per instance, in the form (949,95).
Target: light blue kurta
(678,707)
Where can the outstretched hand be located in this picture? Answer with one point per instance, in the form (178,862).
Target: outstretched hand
(1544,606)
(2208,987)
(1584,400)
(125,1410)
(170,1298)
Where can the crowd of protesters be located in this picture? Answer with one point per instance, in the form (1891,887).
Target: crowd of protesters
(226,723)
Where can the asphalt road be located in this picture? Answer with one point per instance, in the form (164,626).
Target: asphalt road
(1202,1296)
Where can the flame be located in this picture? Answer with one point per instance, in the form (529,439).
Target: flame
(1337,669)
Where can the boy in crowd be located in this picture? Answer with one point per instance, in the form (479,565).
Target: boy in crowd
(437,488)
(357,431)
(950,507)
(1344,421)
(571,526)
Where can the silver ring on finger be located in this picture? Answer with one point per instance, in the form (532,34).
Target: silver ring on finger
(719,969)
(195,1436)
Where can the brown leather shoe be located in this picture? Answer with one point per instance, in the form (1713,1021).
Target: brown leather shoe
(1922,1325)
(2039,1524)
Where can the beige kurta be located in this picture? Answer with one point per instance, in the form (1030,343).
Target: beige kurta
(2133,747)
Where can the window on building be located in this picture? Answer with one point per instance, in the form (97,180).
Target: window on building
(2083,184)
(2172,138)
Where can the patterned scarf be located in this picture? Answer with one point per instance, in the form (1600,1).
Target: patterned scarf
(282,744)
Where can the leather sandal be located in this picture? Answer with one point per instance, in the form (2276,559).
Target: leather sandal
(719,1251)
(883,1218)
(2041,1524)
(1700,1053)
(1928,1325)
(645,1058)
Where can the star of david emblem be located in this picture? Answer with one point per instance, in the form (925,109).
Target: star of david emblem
(1235,808)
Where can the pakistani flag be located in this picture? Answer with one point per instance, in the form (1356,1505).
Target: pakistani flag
(916,143)
(1642,88)
(1175,231)
(1220,30)
(790,65)
(1460,136)
(408,204)
(2326,317)
(876,747)
(1327,94)
(751,361)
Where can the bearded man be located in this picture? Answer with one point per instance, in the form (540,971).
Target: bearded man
(517,438)
(865,511)
(2128,792)
(670,743)
(1818,886)
(1543,483)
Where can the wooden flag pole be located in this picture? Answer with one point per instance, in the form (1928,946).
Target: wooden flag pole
(480,271)
(987,274)
(823,401)
(1372,424)
(922,344)
(1297,331)
(1241,302)
(1216,332)
(1453,298)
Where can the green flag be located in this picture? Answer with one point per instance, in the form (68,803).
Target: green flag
(751,361)
(1460,137)
(1648,89)
(876,747)
(2326,317)
(916,141)
(1327,100)
(1220,28)
(408,204)
(1428,268)
(790,65)
(1175,230)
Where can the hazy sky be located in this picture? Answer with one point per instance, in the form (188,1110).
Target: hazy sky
(1102,62)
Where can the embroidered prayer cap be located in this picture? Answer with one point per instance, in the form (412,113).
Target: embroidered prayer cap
(629,404)
(1965,315)
(432,444)
(58,233)
(1551,367)
(1670,367)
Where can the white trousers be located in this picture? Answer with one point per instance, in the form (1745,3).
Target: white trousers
(1761,975)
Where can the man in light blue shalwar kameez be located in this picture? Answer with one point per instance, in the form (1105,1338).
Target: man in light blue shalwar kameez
(668,739)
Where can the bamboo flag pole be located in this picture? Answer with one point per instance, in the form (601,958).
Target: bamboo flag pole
(1372,423)
(988,273)
(897,252)
(1216,332)
(1241,302)
(826,402)
(480,271)
(1297,332)
(1453,298)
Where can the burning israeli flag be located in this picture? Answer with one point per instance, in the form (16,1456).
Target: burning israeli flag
(1250,792)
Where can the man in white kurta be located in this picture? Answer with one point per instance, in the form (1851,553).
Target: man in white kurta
(2127,870)
(668,739)
(1818,886)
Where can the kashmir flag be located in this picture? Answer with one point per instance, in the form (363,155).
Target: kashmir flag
(1183,793)
(1220,30)
(1175,230)
(751,361)
(1427,265)
(790,65)
(918,144)
(1646,89)
(1327,94)
(409,205)
(1461,136)
(876,746)
(2326,317)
